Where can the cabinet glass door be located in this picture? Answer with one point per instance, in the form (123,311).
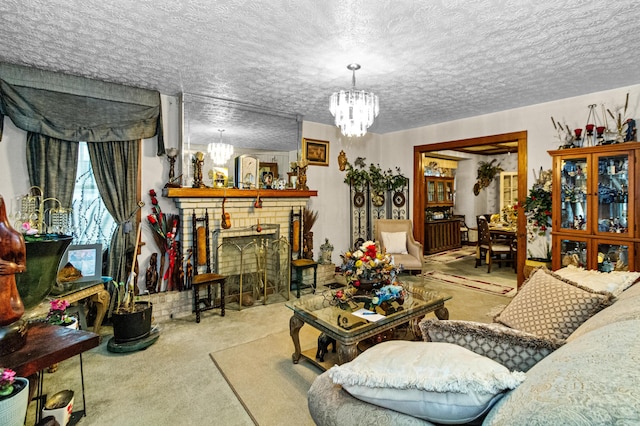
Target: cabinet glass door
(613,194)
(440,192)
(573,187)
(613,257)
(431,191)
(574,253)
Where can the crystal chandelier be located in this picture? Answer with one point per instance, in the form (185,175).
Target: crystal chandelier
(354,110)
(220,152)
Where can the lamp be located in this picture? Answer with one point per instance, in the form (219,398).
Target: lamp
(220,152)
(354,110)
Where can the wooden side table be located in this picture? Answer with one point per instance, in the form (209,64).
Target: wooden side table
(46,345)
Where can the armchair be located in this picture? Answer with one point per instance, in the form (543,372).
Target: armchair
(395,236)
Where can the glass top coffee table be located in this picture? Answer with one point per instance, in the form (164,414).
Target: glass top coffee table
(348,329)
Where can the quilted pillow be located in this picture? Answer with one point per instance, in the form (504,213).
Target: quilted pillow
(614,282)
(515,349)
(439,382)
(395,242)
(551,307)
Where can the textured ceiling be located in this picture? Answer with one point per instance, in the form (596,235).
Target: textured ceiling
(429,61)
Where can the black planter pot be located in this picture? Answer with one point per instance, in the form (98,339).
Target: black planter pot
(131,326)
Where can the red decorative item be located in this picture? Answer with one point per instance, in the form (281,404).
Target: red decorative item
(590,129)
(578,133)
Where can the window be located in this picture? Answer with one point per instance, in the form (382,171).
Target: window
(92,223)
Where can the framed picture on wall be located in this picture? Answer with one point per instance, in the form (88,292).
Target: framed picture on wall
(316,151)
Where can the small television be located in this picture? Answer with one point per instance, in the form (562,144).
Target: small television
(85,257)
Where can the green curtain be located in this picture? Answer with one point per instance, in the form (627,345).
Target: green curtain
(115,167)
(78,109)
(52,165)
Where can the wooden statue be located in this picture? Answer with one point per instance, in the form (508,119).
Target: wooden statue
(151,278)
(13,260)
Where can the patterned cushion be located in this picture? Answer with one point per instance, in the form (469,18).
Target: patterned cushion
(549,306)
(514,349)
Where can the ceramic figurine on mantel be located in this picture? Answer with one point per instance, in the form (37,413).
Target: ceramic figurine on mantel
(173,182)
(301,182)
(198,161)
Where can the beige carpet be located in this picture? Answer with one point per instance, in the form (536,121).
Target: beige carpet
(268,384)
(465,252)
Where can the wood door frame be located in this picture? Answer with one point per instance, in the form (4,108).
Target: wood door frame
(418,184)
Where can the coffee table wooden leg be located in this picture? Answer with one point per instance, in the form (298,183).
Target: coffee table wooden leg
(295,324)
(347,353)
(442,313)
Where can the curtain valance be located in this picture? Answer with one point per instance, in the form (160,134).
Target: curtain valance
(77,108)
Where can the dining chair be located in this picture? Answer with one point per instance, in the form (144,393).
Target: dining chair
(491,249)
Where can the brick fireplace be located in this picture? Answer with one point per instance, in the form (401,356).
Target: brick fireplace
(273,218)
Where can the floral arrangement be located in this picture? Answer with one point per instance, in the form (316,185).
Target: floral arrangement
(347,298)
(367,263)
(7,377)
(58,313)
(165,230)
(537,206)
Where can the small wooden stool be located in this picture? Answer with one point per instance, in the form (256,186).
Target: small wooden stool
(207,280)
(299,265)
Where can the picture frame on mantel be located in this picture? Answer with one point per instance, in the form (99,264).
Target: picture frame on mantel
(316,151)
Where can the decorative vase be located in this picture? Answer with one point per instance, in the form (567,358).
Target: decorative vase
(13,408)
(43,258)
(368,286)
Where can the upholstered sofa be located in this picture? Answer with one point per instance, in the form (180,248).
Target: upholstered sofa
(590,377)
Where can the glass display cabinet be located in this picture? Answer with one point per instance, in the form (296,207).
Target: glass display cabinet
(439,191)
(593,214)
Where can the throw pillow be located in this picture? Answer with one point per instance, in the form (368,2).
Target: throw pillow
(439,382)
(395,242)
(614,282)
(551,307)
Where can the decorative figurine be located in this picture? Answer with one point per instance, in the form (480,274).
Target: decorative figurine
(198,161)
(13,260)
(631,135)
(326,250)
(172,153)
(342,161)
(301,182)
(151,278)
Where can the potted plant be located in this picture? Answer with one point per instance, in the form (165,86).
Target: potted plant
(538,209)
(487,171)
(14,398)
(58,314)
(131,319)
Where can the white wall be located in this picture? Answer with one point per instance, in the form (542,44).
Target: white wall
(389,150)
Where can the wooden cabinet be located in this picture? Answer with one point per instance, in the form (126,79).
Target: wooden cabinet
(438,191)
(441,235)
(595,200)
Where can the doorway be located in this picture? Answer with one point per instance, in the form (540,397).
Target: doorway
(486,145)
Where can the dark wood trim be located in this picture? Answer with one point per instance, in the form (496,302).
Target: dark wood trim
(418,183)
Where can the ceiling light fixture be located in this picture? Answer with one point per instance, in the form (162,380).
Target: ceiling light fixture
(220,152)
(354,110)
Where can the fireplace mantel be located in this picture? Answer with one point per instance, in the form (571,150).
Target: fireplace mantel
(235,193)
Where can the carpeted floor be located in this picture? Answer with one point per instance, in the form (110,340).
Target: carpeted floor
(474,284)
(175,381)
(268,378)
